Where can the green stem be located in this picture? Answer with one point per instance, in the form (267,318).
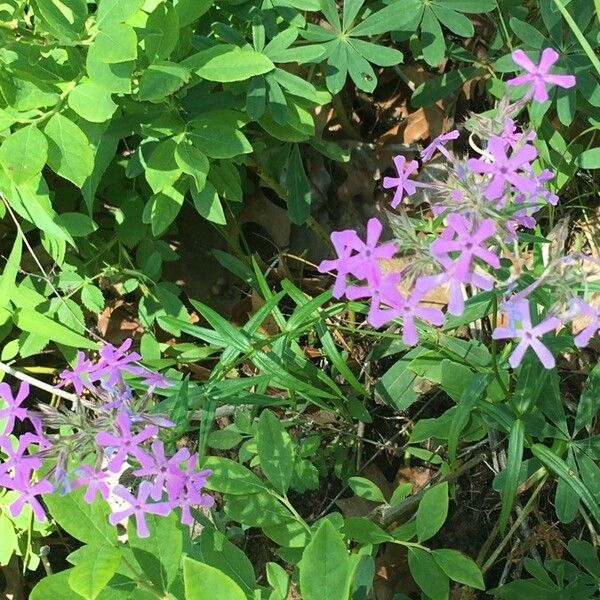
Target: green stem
(285,501)
(495,349)
(137,577)
(579,34)
(345,122)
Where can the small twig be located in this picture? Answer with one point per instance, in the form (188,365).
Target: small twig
(38,384)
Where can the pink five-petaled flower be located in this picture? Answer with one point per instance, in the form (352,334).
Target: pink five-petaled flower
(190,495)
(114,361)
(127,443)
(539,75)
(13,409)
(583,308)
(356,257)
(79,375)
(466,237)
(402,183)
(95,481)
(527,334)
(17,459)
(504,169)
(165,471)
(439,144)
(28,493)
(138,507)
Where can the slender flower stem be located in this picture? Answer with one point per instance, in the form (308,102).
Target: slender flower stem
(37,383)
(494,348)
(285,501)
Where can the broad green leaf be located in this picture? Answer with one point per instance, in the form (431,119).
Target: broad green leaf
(164,208)
(365,488)
(429,93)
(189,11)
(10,540)
(92,102)
(589,401)
(432,511)
(432,38)
(203,582)
(116,11)
(217,137)
(159,555)
(85,522)
(231,477)
(224,439)
(586,555)
(381,56)
(428,575)
(298,188)
(92,298)
(219,552)
(513,467)
(364,531)
(23,153)
(390,18)
(459,568)
(589,159)
(468,6)
(337,66)
(257,510)
(64,19)
(207,203)
(95,570)
(454,21)
(116,43)
(162,29)
(397,386)
(115,78)
(69,152)
(54,586)
(192,161)
(527,33)
(278,579)
(256,98)
(275,451)
(350,12)
(162,170)
(325,566)
(230,63)
(162,79)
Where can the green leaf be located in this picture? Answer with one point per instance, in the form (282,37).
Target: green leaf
(257,510)
(10,540)
(224,439)
(54,586)
(189,11)
(229,63)
(115,78)
(162,32)
(589,159)
(64,19)
(23,153)
(69,152)
(203,582)
(566,500)
(85,522)
(350,12)
(428,575)
(364,531)
(390,18)
(92,102)
(430,92)
(219,552)
(116,43)
(381,56)
(432,511)
(218,137)
(77,224)
(513,467)
(337,66)
(207,203)
(162,79)
(527,33)
(164,208)
(459,568)
(256,99)
(231,477)
(92,298)
(192,161)
(589,400)
(116,11)
(95,570)
(159,554)
(278,579)
(432,38)
(325,566)
(468,6)
(454,21)
(275,451)
(298,188)
(162,170)
(365,488)
(35,322)
(361,71)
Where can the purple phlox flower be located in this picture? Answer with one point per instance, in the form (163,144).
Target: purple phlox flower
(540,190)
(527,334)
(13,409)
(513,137)
(539,75)
(113,361)
(466,237)
(166,472)
(439,144)
(139,507)
(356,257)
(190,495)
(28,493)
(384,295)
(154,379)
(127,443)
(17,459)
(583,308)
(402,183)
(96,482)
(412,309)
(504,169)
(79,376)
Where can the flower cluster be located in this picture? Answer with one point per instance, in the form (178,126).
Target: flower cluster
(112,437)
(484,203)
